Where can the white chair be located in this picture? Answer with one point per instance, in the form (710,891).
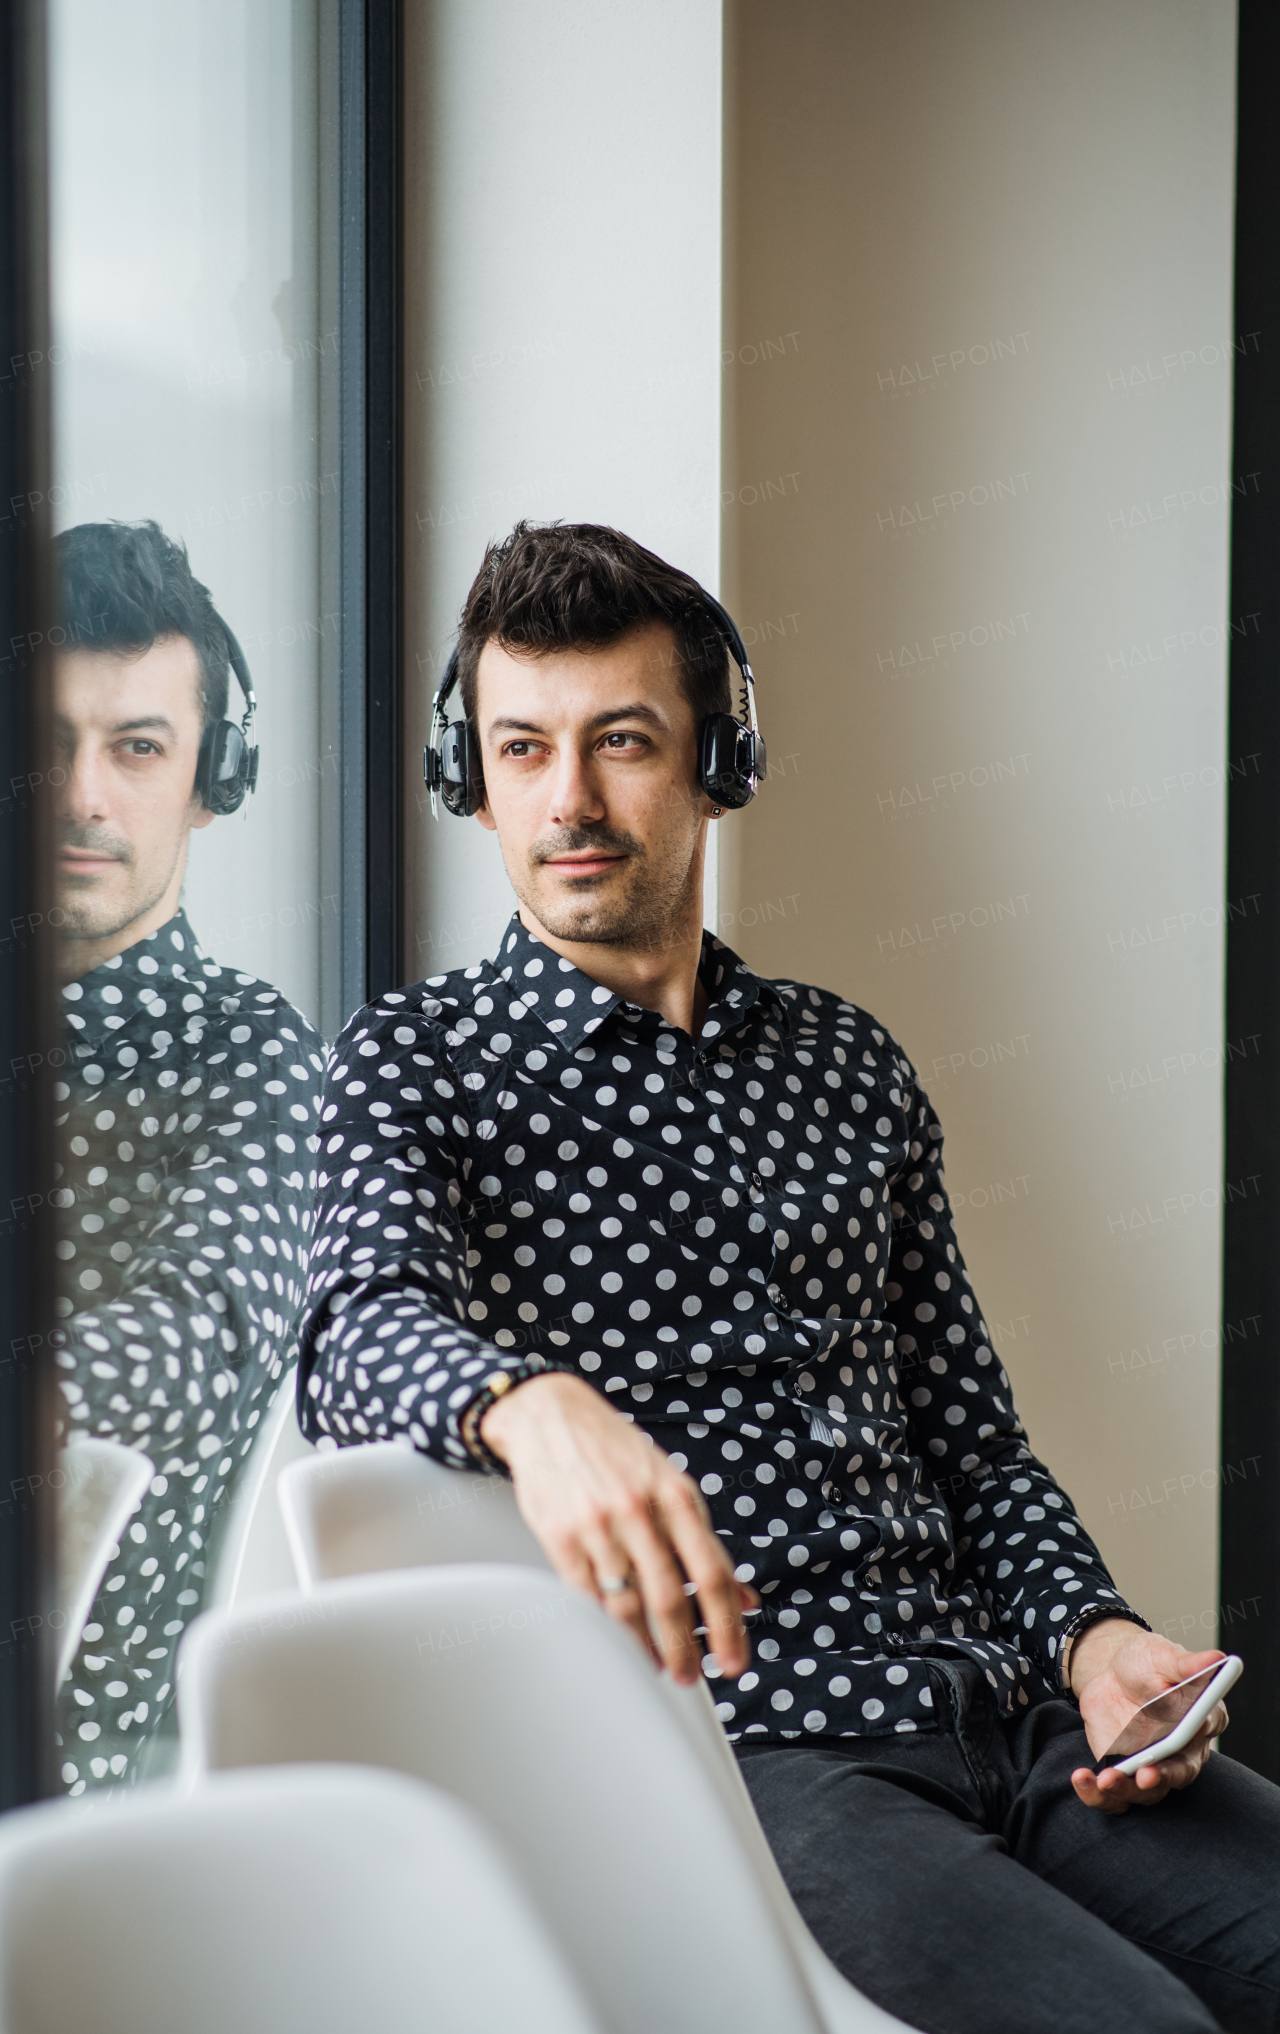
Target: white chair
(614,1794)
(362,1510)
(104,1483)
(314,1900)
(252,1556)
(380,1506)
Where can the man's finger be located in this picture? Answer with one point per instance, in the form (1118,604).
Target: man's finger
(1152,1783)
(1118,1795)
(582,1569)
(665,1603)
(1087,1790)
(1114,1792)
(607,1564)
(707,1564)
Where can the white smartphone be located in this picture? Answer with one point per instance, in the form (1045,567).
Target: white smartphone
(1170,1721)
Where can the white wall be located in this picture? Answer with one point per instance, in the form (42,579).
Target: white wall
(980,313)
(563,276)
(1033,203)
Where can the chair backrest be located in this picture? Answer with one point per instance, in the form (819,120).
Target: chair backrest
(252,1556)
(313,1899)
(362,1510)
(520,1696)
(379,1506)
(104,1484)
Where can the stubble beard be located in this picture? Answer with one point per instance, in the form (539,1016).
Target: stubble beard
(648,914)
(89,915)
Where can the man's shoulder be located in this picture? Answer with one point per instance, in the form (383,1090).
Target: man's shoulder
(454,1004)
(823,1016)
(232,1000)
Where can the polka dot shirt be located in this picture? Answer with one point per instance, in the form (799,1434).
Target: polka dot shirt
(746,1244)
(187,1118)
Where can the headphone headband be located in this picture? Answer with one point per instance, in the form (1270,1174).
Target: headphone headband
(235,657)
(228,762)
(738,651)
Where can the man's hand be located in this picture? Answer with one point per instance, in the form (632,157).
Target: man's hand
(605,1502)
(1115,1667)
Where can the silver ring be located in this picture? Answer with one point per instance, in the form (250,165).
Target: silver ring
(613,1585)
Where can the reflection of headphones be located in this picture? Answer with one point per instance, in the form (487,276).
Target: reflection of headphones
(731,753)
(228,763)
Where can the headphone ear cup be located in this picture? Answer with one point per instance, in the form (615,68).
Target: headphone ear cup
(224,769)
(461,783)
(720,761)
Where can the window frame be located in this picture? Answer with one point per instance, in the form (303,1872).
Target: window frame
(1249,1547)
(26,985)
(365,800)
(360,720)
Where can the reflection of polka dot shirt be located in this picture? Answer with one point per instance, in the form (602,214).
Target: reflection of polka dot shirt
(745,1243)
(190,1098)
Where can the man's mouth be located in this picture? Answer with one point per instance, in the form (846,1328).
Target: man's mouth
(85,861)
(583,865)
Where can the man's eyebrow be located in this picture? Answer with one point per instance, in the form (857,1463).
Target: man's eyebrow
(151,720)
(156,721)
(637,710)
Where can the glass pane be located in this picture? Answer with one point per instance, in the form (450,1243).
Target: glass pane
(190,365)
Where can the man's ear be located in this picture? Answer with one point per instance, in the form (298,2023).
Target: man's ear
(486,818)
(199,814)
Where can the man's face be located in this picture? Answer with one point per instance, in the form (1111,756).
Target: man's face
(590,770)
(127,737)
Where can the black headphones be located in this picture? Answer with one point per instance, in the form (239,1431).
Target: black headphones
(731,753)
(228,762)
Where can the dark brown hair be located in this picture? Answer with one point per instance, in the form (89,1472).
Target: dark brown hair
(581,586)
(125,586)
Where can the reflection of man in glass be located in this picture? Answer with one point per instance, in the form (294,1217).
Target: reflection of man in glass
(190,1097)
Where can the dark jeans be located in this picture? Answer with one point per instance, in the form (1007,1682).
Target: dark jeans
(955,1878)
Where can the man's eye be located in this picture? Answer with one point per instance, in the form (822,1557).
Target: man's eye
(142,748)
(518,748)
(620,740)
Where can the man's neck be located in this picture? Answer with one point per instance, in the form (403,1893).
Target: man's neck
(662,976)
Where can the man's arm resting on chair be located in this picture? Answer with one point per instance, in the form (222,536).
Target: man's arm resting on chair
(605,1502)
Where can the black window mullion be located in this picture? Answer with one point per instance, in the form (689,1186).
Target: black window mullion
(26,998)
(353,553)
(369,511)
(382,578)
(1250,1515)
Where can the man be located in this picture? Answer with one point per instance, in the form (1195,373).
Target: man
(670,1246)
(188,1124)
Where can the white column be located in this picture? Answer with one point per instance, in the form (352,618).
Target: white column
(563,199)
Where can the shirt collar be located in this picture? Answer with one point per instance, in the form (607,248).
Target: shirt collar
(573,1006)
(107,997)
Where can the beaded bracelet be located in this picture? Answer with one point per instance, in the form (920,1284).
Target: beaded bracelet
(495,1386)
(1097,1614)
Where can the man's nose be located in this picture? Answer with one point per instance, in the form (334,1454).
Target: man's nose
(82,793)
(576,798)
